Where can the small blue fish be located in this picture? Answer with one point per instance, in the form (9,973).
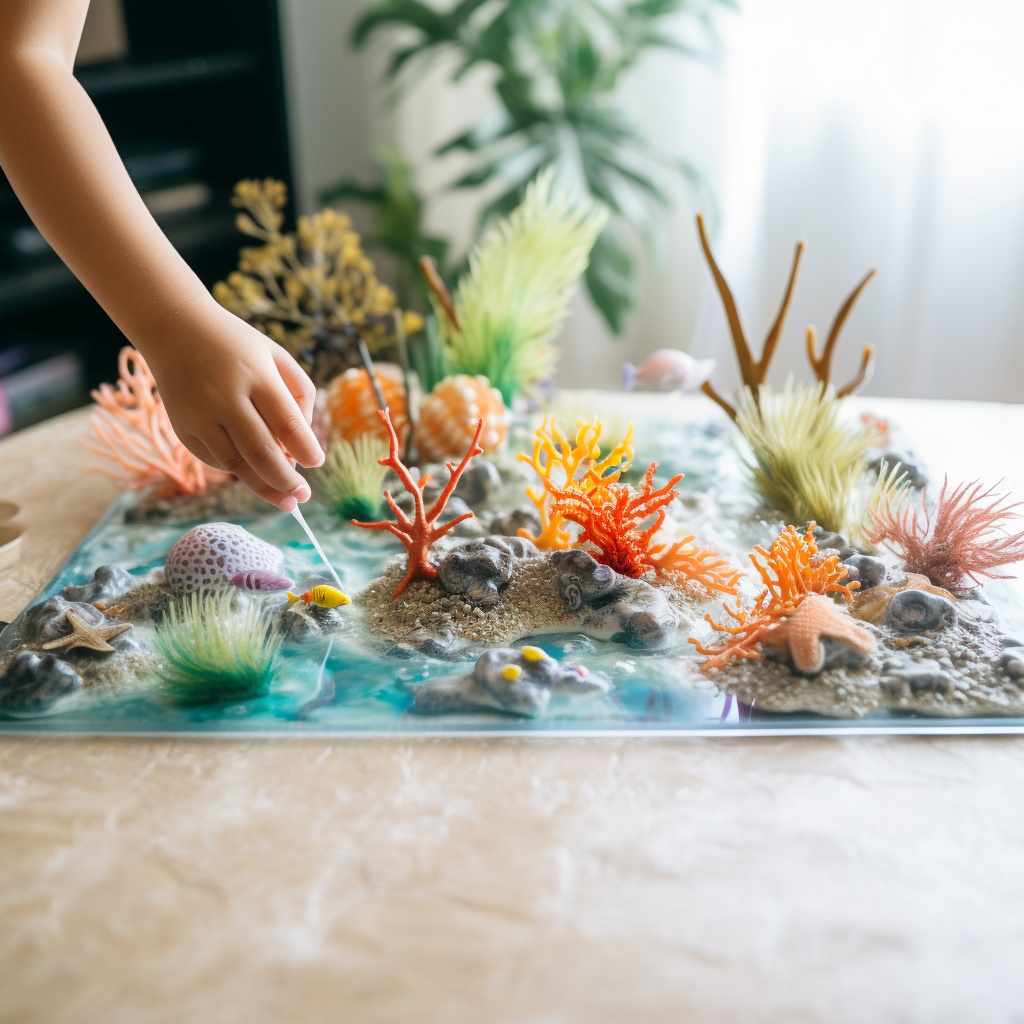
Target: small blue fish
(261,579)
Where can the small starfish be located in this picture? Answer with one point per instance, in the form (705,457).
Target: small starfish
(84,635)
(799,635)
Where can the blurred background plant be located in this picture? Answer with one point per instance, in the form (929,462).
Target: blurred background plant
(559,65)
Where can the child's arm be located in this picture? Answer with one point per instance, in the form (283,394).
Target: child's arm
(229,390)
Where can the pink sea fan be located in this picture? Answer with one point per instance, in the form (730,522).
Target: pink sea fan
(133,431)
(967,535)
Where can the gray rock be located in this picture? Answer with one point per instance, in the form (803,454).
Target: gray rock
(1013,665)
(34,682)
(478,482)
(583,580)
(477,572)
(915,473)
(511,523)
(301,622)
(47,621)
(866,569)
(1010,641)
(612,606)
(518,547)
(518,682)
(929,682)
(826,539)
(917,611)
(108,582)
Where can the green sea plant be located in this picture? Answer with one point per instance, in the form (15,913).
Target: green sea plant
(217,648)
(811,464)
(512,300)
(351,480)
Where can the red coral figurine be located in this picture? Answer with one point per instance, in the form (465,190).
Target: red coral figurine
(419,533)
(609,516)
(966,536)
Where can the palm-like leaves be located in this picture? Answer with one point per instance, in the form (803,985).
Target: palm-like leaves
(558,63)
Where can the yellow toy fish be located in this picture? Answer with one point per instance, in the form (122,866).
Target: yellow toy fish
(323,595)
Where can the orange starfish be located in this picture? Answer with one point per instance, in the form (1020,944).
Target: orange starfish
(799,634)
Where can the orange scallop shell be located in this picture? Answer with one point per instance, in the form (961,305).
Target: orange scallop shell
(352,407)
(449,415)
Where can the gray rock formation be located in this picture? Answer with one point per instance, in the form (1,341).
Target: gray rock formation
(518,682)
(613,607)
(917,611)
(108,582)
(35,682)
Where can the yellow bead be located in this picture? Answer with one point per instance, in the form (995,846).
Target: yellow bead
(511,672)
(533,654)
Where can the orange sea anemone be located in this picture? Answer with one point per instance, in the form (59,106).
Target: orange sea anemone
(449,415)
(352,405)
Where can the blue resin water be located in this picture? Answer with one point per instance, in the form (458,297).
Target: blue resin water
(653,692)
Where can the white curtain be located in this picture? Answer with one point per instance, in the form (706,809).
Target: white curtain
(887,133)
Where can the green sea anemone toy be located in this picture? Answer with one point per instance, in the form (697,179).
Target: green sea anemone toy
(351,480)
(217,648)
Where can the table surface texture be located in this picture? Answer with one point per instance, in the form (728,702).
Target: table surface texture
(519,881)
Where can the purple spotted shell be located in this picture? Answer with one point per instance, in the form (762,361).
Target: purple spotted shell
(209,556)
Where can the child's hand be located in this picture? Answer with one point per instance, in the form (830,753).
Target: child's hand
(236,399)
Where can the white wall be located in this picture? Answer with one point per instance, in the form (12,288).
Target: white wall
(885,132)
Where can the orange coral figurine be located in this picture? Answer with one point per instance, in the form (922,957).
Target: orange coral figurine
(966,536)
(449,414)
(609,517)
(683,561)
(352,405)
(791,570)
(133,430)
(418,533)
(573,467)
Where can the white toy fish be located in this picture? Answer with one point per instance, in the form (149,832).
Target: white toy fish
(668,369)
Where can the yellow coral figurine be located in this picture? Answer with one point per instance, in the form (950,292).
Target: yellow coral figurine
(571,466)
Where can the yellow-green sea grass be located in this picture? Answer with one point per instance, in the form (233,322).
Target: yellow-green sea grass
(808,462)
(351,480)
(522,274)
(218,647)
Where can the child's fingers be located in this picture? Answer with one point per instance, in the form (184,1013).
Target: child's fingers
(284,418)
(199,450)
(296,381)
(227,456)
(261,452)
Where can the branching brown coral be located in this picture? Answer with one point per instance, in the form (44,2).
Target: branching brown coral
(315,291)
(420,532)
(133,430)
(754,372)
(966,536)
(791,569)
(610,514)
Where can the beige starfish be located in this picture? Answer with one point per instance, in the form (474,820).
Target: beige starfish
(84,635)
(799,635)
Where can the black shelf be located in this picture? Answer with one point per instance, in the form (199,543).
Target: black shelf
(198,101)
(115,79)
(49,280)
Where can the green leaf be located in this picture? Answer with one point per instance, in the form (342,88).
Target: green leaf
(407,13)
(611,279)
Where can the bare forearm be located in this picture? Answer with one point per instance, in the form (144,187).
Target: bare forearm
(235,398)
(64,167)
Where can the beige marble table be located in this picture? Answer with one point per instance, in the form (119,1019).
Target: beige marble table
(507,881)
